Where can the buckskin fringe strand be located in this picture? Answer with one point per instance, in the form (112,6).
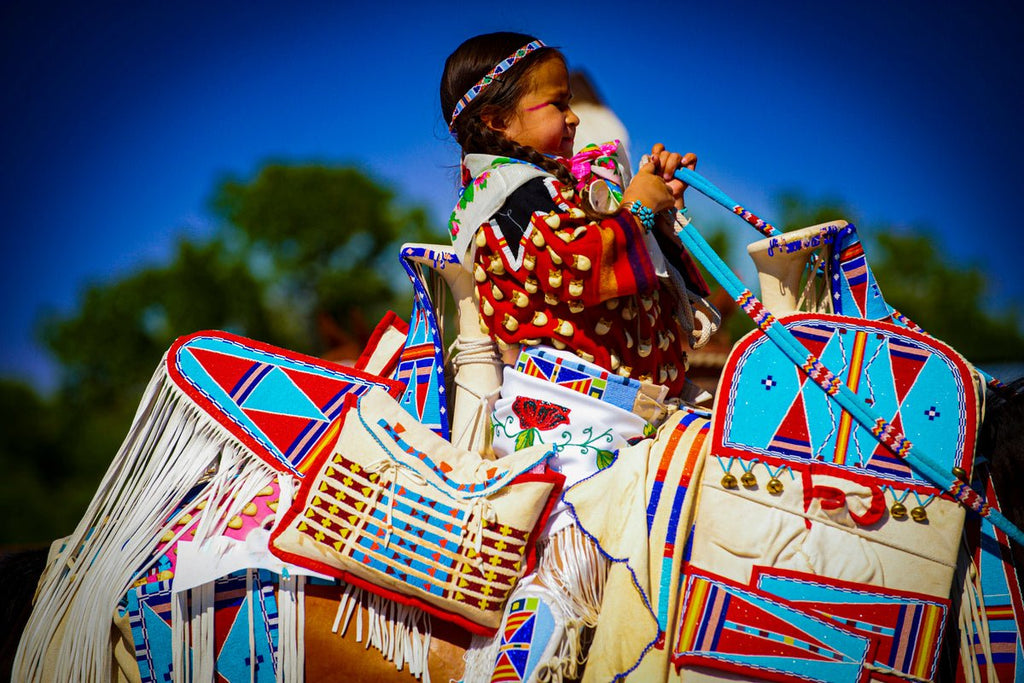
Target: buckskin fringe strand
(291,648)
(480,657)
(171,447)
(401,633)
(574,571)
(194,654)
(972,621)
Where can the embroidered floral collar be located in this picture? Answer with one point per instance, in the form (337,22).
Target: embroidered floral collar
(488,180)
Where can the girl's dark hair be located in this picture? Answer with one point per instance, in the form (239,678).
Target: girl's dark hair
(468,64)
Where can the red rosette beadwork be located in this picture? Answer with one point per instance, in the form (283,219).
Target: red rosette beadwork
(541,415)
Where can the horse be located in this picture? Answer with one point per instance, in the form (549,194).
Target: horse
(325,653)
(1002,440)
(329,653)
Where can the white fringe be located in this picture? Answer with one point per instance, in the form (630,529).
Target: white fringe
(179,637)
(203,652)
(972,620)
(172,446)
(574,572)
(251,623)
(227,492)
(291,598)
(400,632)
(480,658)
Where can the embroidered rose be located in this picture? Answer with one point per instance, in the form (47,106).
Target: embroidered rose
(536,416)
(541,415)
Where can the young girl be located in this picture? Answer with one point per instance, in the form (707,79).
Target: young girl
(524,115)
(585,290)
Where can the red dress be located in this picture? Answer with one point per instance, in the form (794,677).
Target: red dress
(546,273)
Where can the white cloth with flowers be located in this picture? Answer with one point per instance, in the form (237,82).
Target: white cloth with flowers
(584,432)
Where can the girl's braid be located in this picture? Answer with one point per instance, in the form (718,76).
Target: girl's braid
(492,142)
(481,138)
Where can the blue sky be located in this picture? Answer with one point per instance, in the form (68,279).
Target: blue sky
(119,117)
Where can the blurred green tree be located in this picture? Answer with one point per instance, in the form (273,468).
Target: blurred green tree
(300,255)
(323,242)
(950,301)
(110,345)
(303,250)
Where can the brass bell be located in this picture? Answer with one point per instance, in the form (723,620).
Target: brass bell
(774,486)
(919,514)
(728,481)
(748,480)
(960,474)
(898,510)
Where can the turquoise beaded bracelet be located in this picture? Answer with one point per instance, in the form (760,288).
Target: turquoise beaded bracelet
(643,214)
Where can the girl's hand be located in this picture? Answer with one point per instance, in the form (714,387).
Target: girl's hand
(666,164)
(650,189)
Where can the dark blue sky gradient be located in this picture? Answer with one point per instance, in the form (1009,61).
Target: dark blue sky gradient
(119,118)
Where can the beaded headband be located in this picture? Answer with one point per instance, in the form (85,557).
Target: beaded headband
(501,68)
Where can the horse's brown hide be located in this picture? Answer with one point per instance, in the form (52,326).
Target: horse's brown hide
(1002,440)
(331,657)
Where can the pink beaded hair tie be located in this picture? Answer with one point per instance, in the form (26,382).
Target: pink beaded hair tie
(501,68)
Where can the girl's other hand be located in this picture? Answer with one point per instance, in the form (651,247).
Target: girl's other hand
(666,164)
(650,189)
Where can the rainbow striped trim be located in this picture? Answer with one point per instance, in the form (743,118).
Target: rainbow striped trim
(887,434)
(761,316)
(503,66)
(821,375)
(906,322)
(761,225)
(968,496)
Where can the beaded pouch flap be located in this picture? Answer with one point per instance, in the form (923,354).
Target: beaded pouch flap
(768,410)
(401,512)
(280,404)
(799,500)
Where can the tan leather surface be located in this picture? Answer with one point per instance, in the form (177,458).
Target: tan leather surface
(331,657)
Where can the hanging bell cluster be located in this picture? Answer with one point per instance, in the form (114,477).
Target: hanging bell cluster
(898,510)
(748,479)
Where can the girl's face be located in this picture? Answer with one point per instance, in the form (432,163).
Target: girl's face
(543,119)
